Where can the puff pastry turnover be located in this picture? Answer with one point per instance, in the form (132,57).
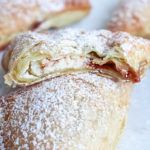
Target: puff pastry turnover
(83,105)
(80,111)
(132,16)
(22,15)
(34,57)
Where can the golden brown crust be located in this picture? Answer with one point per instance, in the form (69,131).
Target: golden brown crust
(60,52)
(132,16)
(77,4)
(90,116)
(18,16)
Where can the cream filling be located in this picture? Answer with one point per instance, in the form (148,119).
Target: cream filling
(35,66)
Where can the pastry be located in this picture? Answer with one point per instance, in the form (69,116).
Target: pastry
(132,16)
(34,57)
(83,102)
(38,15)
(78,111)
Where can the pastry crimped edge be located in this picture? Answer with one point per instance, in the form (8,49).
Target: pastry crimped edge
(131,16)
(38,15)
(82,111)
(119,47)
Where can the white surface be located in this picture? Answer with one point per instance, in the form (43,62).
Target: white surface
(137,133)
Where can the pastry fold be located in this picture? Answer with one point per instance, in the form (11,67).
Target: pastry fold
(34,57)
(132,16)
(38,15)
(80,111)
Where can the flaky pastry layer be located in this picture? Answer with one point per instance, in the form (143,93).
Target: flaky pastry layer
(34,57)
(21,15)
(132,16)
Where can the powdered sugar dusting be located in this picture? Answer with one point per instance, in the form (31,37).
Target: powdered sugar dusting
(70,42)
(20,15)
(131,16)
(72,111)
(44,5)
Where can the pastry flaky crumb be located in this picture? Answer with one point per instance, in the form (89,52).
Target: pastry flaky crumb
(132,16)
(34,57)
(21,15)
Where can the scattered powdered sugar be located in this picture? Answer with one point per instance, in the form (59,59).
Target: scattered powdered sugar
(129,8)
(74,42)
(1,124)
(72,111)
(44,5)
(130,16)
(21,15)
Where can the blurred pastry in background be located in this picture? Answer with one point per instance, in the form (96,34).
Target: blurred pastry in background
(38,15)
(132,16)
(34,57)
